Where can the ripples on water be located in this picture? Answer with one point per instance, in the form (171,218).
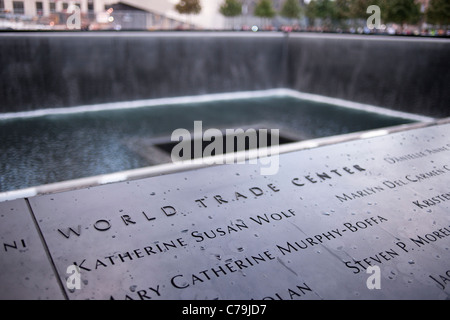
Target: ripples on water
(49,149)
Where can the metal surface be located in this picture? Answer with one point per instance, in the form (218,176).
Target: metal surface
(25,269)
(383,201)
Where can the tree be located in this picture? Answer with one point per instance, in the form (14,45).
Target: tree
(291,9)
(343,9)
(325,9)
(438,12)
(311,11)
(358,8)
(264,9)
(188,7)
(231,8)
(401,11)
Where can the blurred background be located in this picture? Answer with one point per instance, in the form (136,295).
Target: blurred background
(401,17)
(273,48)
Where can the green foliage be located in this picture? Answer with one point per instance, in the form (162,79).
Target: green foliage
(291,9)
(438,12)
(392,11)
(188,7)
(324,9)
(396,11)
(231,8)
(358,8)
(264,9)
(343,9)
(310,11)
(400,11)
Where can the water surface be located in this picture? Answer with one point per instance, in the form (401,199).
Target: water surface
(52,148)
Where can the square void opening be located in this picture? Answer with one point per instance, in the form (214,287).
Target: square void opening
(239,140)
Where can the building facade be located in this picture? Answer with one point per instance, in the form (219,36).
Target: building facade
(33,8)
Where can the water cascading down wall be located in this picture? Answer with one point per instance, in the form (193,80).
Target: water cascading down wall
(54,70)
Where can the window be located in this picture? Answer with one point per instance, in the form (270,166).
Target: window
(52,7)
(2,5)
(90,6)
(39,8)
(18,7)
(65,5)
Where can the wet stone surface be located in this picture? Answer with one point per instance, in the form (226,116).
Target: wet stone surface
(366,219)
(25,271)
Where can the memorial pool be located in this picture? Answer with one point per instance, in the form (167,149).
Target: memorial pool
(43,149)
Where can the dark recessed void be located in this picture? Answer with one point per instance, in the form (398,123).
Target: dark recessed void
(249,141)
(48,149)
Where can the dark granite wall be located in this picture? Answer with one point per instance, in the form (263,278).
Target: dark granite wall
(66,69)
(408,74)
(50,70)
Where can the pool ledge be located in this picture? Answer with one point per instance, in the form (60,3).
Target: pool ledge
(169,168)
